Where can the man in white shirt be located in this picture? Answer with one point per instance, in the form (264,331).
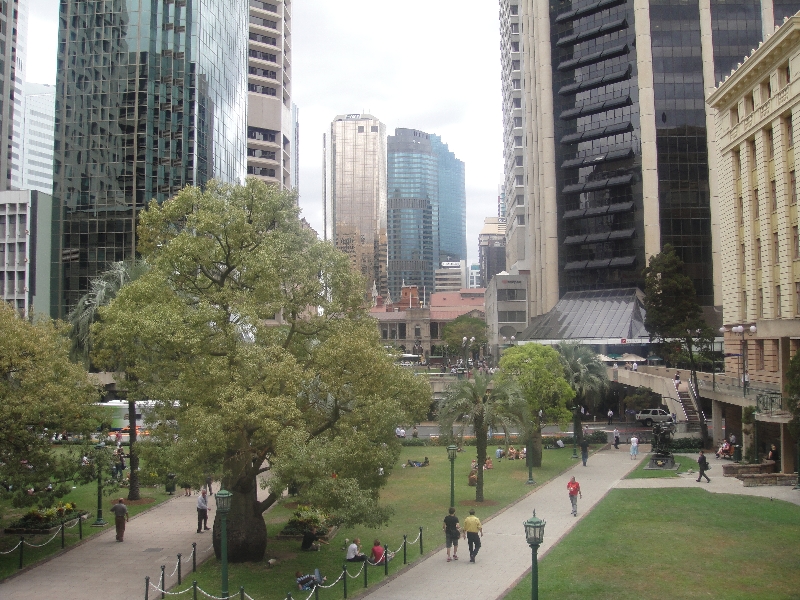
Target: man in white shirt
(202,512)
(354,552)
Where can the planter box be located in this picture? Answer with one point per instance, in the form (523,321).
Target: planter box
(768,479)
(331,534)
(24,531)
(734,470)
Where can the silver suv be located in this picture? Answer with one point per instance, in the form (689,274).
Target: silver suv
(649,416)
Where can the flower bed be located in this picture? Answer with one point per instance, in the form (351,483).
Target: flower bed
(47,520)
(303,519)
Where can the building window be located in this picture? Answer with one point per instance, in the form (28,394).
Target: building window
(515,65)
(775,253)
(770,144)
(510,295)
(760,355)
(734,115)
(519,179)
(517,121)
(758,253)
(518,161)
(263,171)
(749,103)
(520,219)
(795,243)
(517,102)
(752,145)
(515,28)
(434,331)
(773,195)
(520,199)
(744,304)
(777,301)
(417,331)
(789,132)
(374,129)
(515,46)
(792,187)
(256,153)
(755,204)
(760,306)
(514,9)
(786,75)
(511,316)
(518,141)
(516,84)
(264,135)
(740,210)
(737,165)
(262,89)
(797,298)
(741,255)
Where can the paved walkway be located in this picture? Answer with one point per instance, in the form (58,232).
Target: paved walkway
(103,568)
(505,556)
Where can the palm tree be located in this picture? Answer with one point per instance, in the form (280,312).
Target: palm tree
(583,371)
(103,289)
(480,403)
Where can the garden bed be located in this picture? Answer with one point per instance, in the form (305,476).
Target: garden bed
(46,528)
(327,537)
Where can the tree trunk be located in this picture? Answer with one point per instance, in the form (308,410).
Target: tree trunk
(535,448)
(247,532)
(133,459)
(481,435)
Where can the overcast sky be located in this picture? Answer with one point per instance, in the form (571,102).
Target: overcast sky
(432,65)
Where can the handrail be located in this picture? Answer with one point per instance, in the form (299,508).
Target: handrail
(693,395)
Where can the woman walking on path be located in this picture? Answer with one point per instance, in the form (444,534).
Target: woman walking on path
(702,463)
(634,447)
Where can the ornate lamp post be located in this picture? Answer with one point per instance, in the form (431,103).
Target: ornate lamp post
(451,454)
(744,376)
(99,457)
(223,507)
(534,534)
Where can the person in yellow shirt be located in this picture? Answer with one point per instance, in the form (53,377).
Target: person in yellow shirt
(473,531)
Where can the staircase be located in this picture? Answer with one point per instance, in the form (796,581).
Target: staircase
(688,408)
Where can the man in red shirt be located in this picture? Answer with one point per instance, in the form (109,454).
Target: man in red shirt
(574,489)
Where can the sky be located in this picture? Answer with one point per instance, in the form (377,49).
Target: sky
(432,65)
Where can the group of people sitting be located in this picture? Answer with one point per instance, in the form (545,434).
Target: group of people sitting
(726,448)
(488,464)
(377,557)
(512,454)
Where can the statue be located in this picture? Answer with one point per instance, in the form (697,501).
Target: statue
(662,457)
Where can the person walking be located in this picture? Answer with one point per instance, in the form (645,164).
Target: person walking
(610,416)
(616,438)
(209,480)
(702,463)
(202,512)
(451,533)
(473,531)
(574,490)
(584,450)
(634,447)
(120,518)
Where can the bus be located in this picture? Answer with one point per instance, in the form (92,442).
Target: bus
(115,414)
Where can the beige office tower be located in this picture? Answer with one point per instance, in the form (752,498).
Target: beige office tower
(271,116)
(354,195)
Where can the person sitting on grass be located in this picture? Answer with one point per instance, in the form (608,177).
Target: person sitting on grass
(472,480)
(311,541)
(378,554)
(416,463)
(488,464)
(309,582)
(354,553)
(512,453)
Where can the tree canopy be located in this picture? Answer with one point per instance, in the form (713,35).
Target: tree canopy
(462,327)
(538,373)
(41,393)
(250,334)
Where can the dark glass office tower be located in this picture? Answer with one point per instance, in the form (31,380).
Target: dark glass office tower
(412,222)
(151,97)
(452,203)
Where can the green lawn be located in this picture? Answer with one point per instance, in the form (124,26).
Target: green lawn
(420,498)
(85,497)
(675,543)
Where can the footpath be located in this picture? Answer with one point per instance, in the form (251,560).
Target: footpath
(103,568)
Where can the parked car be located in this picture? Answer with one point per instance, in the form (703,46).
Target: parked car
(649,416)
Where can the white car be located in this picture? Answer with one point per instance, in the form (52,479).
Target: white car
(648,416)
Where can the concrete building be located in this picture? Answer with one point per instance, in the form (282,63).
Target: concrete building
(354,195)
(506,310)
(140,114)
(25,250)
(272,149)
(608,143)
(38,127)
(492,248)
(13,30)
(757,112)
(451,276)
(18,96)
(474,276)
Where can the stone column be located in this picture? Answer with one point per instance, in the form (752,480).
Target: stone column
(716,423)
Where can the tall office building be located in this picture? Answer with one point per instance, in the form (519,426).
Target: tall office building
(150,97)
(13,27)
(18,125)
(492,249)
(39,105)
(271,116)
(354,195)
(426,215)
(608,143)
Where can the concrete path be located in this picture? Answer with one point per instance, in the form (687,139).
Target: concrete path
(505,555)
(103,568)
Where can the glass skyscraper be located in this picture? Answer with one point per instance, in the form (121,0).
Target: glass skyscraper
(426,209)
(150,97)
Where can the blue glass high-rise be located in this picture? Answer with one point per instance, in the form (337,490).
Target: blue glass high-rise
(452,204)
(150,97)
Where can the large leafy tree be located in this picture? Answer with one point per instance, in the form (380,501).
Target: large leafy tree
(462,327)
(539,374)
(41,393)
(481,403)
(674,317)
(102,290)
(250,334)
(583,371)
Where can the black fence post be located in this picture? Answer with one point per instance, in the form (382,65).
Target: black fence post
(194,590)
(316,592)
(194,557)
(241,592)
(366,568)
(80,527)
(146,587)
(344,579)
(62,534)
(179,569)
(21,550)
(405,544)
(162,581)
(420,540)
(385,559)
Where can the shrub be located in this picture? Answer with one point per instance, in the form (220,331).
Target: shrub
(686,444)
(413,442)
(304,518)
(44,518)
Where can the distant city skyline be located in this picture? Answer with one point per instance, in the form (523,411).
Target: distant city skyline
(344,63)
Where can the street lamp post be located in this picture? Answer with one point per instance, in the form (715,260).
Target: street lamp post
(99,457)
(451,454)
(744,376)
(534,534)
(223,507)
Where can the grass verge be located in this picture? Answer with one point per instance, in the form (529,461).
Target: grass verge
(419,496)
(639,543)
